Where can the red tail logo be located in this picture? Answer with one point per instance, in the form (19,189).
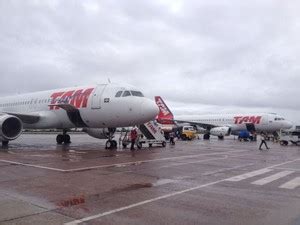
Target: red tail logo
(165,115)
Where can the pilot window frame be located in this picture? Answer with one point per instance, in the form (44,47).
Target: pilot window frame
(126,94)
(137,93)
(119,94)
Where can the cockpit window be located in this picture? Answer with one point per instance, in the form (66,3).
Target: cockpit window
(119,93)
(126,93)
(137,93)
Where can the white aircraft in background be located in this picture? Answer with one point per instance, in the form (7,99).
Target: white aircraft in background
(99,109)
(224,124)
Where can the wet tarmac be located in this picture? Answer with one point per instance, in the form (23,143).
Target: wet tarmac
(198,182)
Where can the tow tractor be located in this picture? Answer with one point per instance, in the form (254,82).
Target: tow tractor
(292,136)
(150,134)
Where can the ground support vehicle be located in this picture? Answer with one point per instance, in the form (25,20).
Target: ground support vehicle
(289,136)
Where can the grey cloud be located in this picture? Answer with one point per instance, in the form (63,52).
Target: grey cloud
(205,55)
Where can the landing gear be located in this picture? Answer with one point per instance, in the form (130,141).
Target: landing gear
(221,137)
(5,143)
(111,144)
(206,136)
(63,138)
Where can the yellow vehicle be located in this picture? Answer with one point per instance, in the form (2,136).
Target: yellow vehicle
(188,133)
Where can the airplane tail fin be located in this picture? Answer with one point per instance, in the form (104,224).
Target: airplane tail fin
(165,115)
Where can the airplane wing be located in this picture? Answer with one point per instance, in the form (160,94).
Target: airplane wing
(24,117)
(203,125)
(35,117)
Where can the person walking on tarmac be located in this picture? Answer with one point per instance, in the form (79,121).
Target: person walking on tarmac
(172,137)
(133,137)
(263,140)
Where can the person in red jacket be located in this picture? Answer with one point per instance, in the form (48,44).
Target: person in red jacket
(133,137)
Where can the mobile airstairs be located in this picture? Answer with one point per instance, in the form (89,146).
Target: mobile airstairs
(150,134)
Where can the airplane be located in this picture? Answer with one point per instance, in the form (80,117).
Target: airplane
(99,109)
(223,124)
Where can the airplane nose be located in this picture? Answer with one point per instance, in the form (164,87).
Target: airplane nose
(149,110)
(289,125)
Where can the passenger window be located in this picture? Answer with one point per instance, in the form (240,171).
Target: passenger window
(119,93)
(137,93)
(126,93)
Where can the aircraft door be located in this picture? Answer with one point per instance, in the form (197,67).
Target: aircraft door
(266,120)
(97,96)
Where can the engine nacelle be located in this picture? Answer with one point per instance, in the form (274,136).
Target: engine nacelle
(10,127)
(100,133)
(220,131)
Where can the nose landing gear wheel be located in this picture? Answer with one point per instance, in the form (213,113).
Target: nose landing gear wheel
(67,139)
(206,136)
(111,144)
(63,138)
(4,143)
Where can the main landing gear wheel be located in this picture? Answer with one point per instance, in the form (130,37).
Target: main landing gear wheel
(206,136)
(221,137)
(111,144)
(5,143)
(63,138)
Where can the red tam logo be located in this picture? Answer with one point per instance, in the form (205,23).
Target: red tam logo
(77,98)
(247,119)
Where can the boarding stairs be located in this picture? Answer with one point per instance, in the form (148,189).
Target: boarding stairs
(150,134)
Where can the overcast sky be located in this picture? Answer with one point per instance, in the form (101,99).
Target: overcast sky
(201,56)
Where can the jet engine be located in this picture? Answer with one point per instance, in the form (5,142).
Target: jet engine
(220,131)
(10,127)
(100,133)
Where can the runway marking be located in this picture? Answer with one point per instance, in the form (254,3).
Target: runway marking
(272,178)
(248,175)
(258,172)
(193,162)
(204,160)
(227,169)
(86,219)
(32,165)
(118,164)
(292,184)
(285,168)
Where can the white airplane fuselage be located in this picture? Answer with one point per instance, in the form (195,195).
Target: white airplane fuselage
(95,106)
(263,122)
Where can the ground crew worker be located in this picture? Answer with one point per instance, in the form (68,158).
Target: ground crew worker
(133,137)
(263,140)
(172,136)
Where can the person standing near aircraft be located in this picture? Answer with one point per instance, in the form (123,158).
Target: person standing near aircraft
(133,137)
(172,137)
(263,140)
